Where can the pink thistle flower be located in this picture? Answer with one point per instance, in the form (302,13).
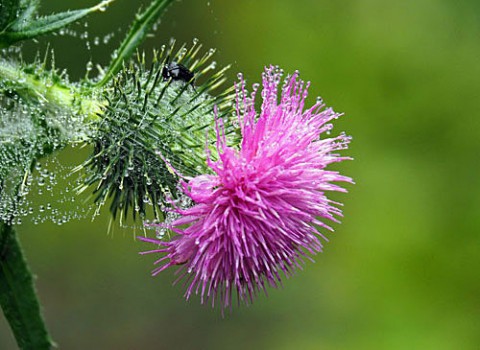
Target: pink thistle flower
(257,215)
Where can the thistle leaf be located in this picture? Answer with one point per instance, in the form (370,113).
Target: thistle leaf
(16,11)
(23,28)
(8,10)
(27,9)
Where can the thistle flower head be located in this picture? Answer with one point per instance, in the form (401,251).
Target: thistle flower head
(256,215)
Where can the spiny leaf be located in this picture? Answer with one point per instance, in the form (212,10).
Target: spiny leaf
(28,8)
(8,11)
(23,28)
(16,11)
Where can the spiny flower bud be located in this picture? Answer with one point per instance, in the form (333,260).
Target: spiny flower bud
(164,111)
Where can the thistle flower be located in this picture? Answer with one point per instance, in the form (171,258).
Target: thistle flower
(257,214)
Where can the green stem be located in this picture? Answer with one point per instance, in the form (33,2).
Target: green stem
(35,87)
(18,298)
(31,86)
(135,36)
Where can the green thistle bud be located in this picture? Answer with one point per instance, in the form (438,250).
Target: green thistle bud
(152,119)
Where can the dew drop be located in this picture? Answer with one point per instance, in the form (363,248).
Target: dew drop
(89,66)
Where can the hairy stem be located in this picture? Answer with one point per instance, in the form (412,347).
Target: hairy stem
(31,86)
(18,297)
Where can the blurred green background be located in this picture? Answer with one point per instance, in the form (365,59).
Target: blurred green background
(401,271)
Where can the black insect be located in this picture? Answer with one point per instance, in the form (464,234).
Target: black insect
(177,71)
